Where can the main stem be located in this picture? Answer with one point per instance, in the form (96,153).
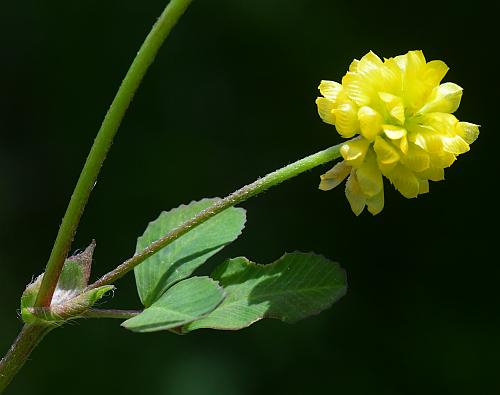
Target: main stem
(239,196)
(26,341)
(31,335)
(102,144)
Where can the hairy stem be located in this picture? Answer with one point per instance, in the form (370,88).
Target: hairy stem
(26,341)
(119,315)
(31,335)
(239,196)
(111,313)
(102,144)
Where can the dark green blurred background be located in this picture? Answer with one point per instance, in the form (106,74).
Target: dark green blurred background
(230,98)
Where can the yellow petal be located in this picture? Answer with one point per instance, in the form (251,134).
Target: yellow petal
(442,159)
(455,145)
(401,61)
(432,173)
(354,65)
(426,138)
(416,57)
(330,89)
(387,155)
(411,62)
(441,122)
(405,181)
(423,187)
(468,131)
(334,176)
(346,119)
(354,151)
(370,122)
(403,144)
(444,98)
(392,65)
(357,88)
(394,132)
(398,113)
(415,92)
(377,74)
(369,63)
(387,97)
(375,203)
(434,72)
(325,110)
(354,195)
(369,176)
(416,158)
(394,105)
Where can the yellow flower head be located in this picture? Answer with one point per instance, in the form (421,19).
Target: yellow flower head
(402,119)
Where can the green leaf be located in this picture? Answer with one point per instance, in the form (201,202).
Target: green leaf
(294,287)
(181,258)
(184,302)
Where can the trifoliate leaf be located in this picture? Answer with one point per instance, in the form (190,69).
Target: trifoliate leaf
(294,287)
(181,258)
(184,302)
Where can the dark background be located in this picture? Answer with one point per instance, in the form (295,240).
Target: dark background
(230,98)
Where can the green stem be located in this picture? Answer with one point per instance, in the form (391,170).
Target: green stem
(239,196)
(111,313)
(102,144)
(31,335)
(119,315)
(26,341)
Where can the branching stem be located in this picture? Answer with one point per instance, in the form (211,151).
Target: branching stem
(31,335)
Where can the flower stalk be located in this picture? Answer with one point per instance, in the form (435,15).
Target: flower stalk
(242,194)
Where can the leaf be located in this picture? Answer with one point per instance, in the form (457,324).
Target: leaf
(294,287)
(185,302)
(181,258)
